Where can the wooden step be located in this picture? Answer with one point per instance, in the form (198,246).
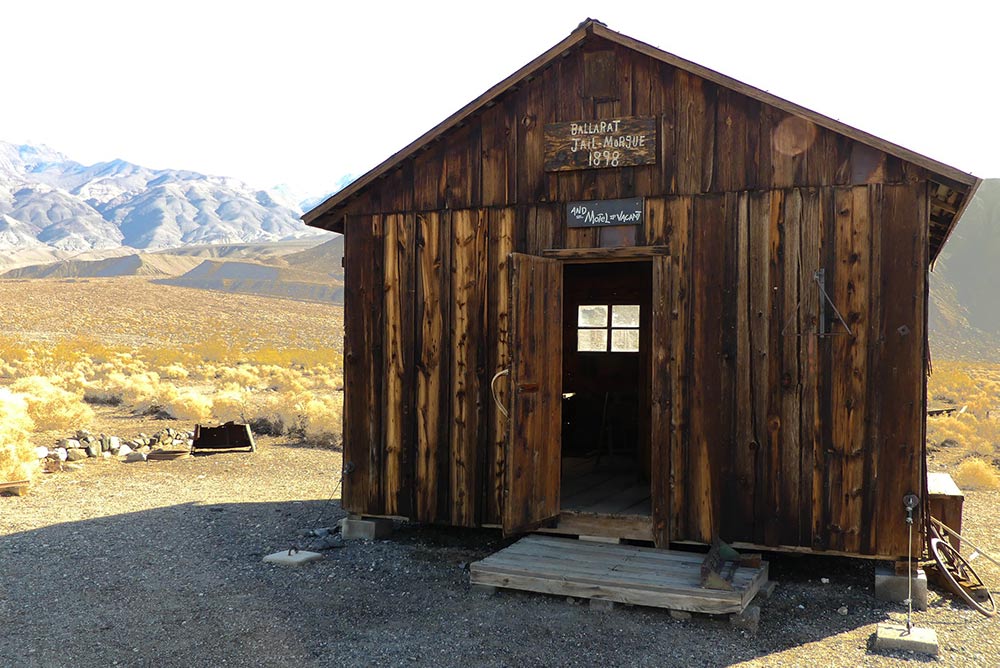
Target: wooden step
(619,573)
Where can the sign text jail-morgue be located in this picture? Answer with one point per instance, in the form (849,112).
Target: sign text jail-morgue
(594,144)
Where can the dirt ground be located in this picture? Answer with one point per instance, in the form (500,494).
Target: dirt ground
(159,564)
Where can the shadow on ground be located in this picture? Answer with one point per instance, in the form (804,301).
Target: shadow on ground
(185,586)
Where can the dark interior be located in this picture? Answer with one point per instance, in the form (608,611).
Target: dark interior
(605,440)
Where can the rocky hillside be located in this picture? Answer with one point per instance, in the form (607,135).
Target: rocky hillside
(312,274)
(965,284)
(298,269)
(51,206)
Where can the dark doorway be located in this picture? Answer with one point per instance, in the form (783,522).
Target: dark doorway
(606,365)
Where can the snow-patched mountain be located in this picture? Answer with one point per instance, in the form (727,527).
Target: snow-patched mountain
(50,201)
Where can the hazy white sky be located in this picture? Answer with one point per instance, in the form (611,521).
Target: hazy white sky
(304,92)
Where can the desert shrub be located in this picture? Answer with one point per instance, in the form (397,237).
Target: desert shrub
(975,473)
(277,390)
(267,426)
(186,404)
(977,436)
(52,407)
(174,371)
(231,402)
(315,418)
(18,460)
(243,375)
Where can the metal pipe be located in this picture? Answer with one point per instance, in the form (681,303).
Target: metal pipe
(964,540)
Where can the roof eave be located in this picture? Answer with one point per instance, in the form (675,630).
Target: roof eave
(955,220)
(335,200)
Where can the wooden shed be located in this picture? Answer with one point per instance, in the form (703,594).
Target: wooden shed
(710,305)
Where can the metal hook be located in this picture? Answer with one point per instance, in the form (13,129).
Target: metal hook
(496,397)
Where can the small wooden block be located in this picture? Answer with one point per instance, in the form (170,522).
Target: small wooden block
(601,539)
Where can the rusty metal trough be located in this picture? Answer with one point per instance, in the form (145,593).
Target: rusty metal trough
(228,436)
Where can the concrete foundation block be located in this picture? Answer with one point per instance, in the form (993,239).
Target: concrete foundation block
(680,615)
(748,620)
(601,604)
(483,590)
(284,558)
(365,528)
(897,637)
(892,587)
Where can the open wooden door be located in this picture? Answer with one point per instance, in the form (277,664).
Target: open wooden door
(533,448)
(660,404)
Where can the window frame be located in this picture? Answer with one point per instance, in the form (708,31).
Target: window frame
(609,328)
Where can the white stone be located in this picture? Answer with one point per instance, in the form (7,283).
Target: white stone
(135,457)
(41,452)
(287,558)
(124,450)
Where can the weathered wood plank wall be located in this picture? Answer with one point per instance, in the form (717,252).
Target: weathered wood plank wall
(775,432)
(776,436)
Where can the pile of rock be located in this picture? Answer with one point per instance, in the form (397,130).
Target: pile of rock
(84,445)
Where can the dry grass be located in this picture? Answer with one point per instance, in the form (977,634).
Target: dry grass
(187,354)
(967,442)
(974,473)
(51,405)
(17,456)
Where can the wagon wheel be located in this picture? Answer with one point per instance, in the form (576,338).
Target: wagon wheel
(961,578)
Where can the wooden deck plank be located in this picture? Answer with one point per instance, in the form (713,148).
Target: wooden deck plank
(622,573)
(731,600)
(622,560)
(585,590)
(672,575)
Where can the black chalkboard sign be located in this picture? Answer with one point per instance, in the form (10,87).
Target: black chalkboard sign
(604,212)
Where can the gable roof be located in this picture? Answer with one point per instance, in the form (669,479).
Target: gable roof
(948,207)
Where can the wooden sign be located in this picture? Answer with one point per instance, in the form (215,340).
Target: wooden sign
(601,143)
(601,213)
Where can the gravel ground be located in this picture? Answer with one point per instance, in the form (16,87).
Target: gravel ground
(159,564)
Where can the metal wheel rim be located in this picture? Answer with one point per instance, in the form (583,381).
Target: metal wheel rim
(951,563)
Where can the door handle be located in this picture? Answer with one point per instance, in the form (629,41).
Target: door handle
(493,391)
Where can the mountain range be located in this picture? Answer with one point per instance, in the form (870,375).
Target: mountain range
(185,228)
(965,283)
(52,207)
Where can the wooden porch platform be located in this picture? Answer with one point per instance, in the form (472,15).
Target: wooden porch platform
(620,573)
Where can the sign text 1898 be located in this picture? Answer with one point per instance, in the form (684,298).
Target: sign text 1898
(615,142)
